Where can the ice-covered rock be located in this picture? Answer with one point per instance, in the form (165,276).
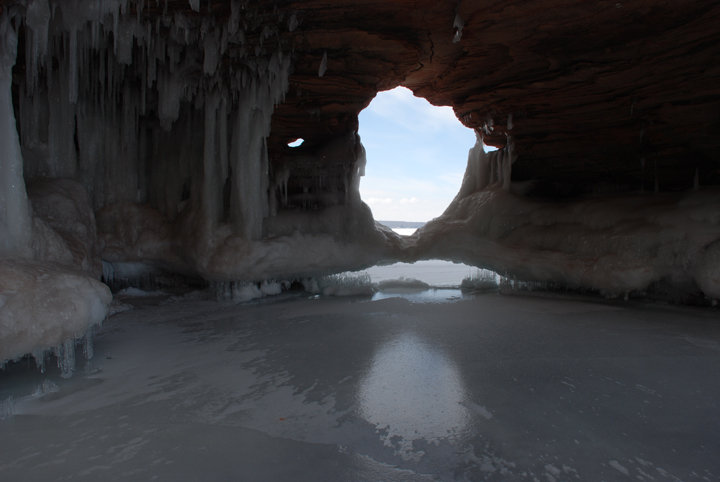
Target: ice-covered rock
(63,205)
(403,284)
(43,304)
(614,244)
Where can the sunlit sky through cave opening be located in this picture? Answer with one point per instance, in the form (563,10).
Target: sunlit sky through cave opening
(416,156)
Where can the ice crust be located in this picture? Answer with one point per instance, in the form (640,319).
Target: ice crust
(43,305)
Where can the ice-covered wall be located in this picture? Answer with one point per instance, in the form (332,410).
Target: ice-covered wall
(164,119)
(615,244)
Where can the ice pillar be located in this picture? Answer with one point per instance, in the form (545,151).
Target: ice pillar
(15,221)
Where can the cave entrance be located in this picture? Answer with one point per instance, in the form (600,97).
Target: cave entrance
(417,154)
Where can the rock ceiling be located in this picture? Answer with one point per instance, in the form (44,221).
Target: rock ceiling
(600,95)
(594,88)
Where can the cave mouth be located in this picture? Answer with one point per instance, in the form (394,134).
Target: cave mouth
(417,154)
(416,158)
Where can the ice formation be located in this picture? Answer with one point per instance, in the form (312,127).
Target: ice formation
(45,305)
(144,145)
(15,221)
(614,243)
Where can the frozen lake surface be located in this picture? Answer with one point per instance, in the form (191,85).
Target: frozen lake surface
(433,272)
(470,387)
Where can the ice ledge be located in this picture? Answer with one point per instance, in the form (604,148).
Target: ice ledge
(614,244)
(43,304)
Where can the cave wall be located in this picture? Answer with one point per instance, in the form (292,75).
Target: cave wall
(174,119)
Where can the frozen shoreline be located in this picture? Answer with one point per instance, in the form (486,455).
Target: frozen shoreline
(489,386)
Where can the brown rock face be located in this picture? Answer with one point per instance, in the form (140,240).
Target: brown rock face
(597,95)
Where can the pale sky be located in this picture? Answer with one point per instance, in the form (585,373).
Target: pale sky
(416,156)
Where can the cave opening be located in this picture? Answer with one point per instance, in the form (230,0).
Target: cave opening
(417,153)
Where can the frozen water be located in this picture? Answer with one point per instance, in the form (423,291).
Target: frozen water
(489,387)
(436,273)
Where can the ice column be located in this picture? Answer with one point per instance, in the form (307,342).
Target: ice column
(487,170)
(15,221)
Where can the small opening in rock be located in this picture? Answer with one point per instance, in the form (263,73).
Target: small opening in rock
(296,142)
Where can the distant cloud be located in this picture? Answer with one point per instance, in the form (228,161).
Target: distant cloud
(412,112)
(377,200)
(405,200)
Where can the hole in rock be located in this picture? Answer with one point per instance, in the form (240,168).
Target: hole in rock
(417,154)
(296,143)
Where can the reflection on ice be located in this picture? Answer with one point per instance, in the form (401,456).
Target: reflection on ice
(413,392)
(434,272)
(434,295)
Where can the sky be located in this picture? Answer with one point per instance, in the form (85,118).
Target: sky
(416,156)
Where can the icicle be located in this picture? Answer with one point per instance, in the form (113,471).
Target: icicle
(72,67)
(212,200)
(195,5)
(510,122)
(88,349)
(458,24)
(39,356)
(7,408)
(292,22)
(223,131)
(37,19)
(15,220)
(509,158)
(66,357)
(212,50)
(323,65)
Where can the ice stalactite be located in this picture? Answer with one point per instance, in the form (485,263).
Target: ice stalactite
(196,196)
(323,65)
(15,218)
(487,170)
(458,25)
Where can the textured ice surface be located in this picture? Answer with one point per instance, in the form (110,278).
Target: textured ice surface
(64,206)
(42,305)
(491,387)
